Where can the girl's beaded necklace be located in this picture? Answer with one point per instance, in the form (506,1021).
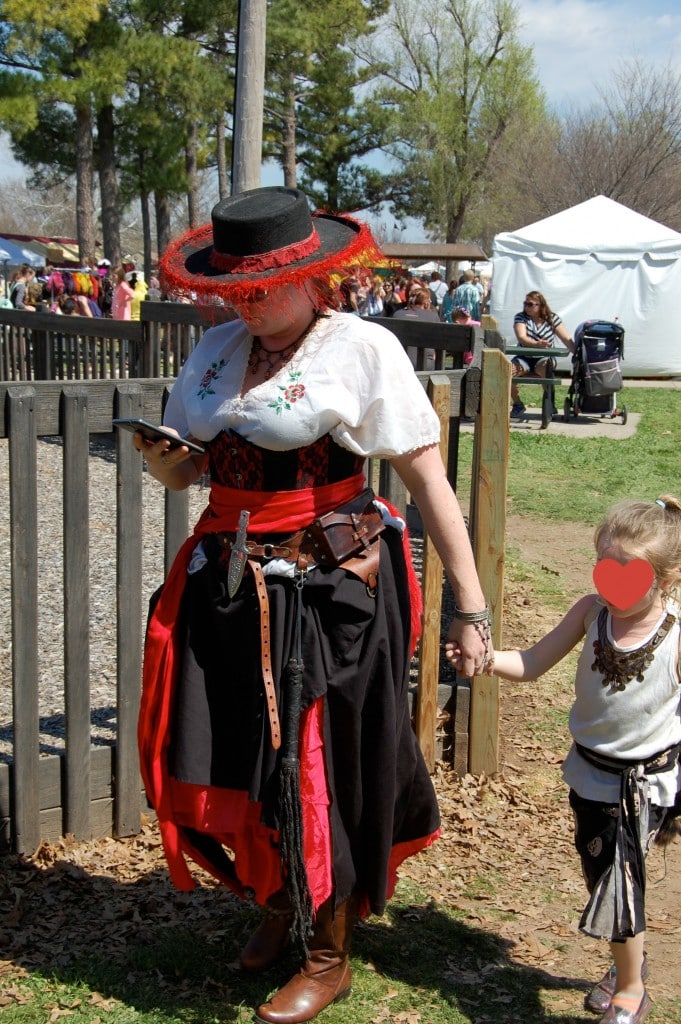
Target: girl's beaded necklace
(620,667)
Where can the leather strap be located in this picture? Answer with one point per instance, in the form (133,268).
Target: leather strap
(366,566)
(266,653)
(288,549)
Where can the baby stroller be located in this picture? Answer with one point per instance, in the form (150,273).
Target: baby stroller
(596,370)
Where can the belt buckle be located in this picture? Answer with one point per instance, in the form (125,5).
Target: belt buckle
(268,551)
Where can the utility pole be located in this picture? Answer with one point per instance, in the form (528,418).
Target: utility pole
(249,96)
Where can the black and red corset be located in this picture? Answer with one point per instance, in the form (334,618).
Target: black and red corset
(236,462)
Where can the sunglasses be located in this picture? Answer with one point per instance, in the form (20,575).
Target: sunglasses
(527,303)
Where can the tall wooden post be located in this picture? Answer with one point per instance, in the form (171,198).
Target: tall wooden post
(488,523)
(249,97)
(439,393)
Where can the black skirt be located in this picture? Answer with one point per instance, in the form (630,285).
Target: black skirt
(355,650)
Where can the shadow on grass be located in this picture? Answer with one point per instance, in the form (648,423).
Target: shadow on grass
(173,956)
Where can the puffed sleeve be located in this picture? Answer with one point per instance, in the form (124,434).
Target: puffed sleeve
(383,408)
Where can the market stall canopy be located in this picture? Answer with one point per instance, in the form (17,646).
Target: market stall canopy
(14,254)
(55,250)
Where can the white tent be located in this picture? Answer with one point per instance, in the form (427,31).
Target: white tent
(598,260)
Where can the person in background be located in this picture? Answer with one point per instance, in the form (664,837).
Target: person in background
(438,290)
(154,293)
(419,307)
(535,326)
(274,720)
(74,305)
(462,316)
(623,767)
(448,304)
(388,298)
(128,264)
(140,289)
(400,289)
(122,298)
(466,294)
(19,283)
(106,287)
(376,298)
(479,286)
(349,291)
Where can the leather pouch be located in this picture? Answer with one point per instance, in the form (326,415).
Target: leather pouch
(345,533)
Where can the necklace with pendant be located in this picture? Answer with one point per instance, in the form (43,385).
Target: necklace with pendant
(620,667)
(275,361)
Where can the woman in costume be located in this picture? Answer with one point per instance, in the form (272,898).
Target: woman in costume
(275,735)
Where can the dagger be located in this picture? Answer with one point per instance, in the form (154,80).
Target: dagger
(238,555)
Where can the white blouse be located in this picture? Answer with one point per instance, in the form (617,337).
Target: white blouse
(349,378)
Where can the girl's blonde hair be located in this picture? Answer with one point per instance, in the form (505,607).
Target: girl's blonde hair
(647,529)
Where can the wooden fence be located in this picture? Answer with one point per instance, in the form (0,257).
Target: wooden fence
(90,790)
(46,346)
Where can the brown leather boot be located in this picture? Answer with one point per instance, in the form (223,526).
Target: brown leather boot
(270,939)
(325,977)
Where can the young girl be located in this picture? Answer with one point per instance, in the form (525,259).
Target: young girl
(623,766)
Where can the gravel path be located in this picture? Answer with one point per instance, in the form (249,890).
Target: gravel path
(102,588)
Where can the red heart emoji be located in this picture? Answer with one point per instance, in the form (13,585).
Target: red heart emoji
(623,585)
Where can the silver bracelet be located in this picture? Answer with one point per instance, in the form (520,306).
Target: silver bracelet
(482,616)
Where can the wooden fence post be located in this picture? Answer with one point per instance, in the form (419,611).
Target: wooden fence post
(439,393)
(24,563)
(488,529)
(77,804)
(129,403)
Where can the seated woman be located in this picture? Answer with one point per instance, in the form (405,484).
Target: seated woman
(536,326)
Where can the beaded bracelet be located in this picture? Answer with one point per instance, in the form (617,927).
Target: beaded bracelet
(482,623)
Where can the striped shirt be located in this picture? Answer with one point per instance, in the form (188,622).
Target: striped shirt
(545,331)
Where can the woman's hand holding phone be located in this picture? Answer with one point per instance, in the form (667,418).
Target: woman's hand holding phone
(172,459)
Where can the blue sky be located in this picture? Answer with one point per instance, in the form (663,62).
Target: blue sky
(579,43)
(577,46)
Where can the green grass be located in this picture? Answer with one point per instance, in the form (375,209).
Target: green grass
(573,479)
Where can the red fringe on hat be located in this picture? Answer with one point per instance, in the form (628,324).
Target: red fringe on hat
(229,289)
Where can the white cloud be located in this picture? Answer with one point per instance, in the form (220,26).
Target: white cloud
(579,43)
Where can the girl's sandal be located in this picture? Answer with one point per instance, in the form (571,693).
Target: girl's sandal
(598,999)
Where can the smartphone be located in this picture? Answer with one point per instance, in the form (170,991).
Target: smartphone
(155,433)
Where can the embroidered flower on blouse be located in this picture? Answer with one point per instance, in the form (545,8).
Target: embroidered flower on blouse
(212,373)
(290,393)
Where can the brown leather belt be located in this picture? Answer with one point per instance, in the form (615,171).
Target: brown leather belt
(291,548)
(266,653)
(331,540)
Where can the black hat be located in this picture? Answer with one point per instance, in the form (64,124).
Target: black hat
(263,238)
